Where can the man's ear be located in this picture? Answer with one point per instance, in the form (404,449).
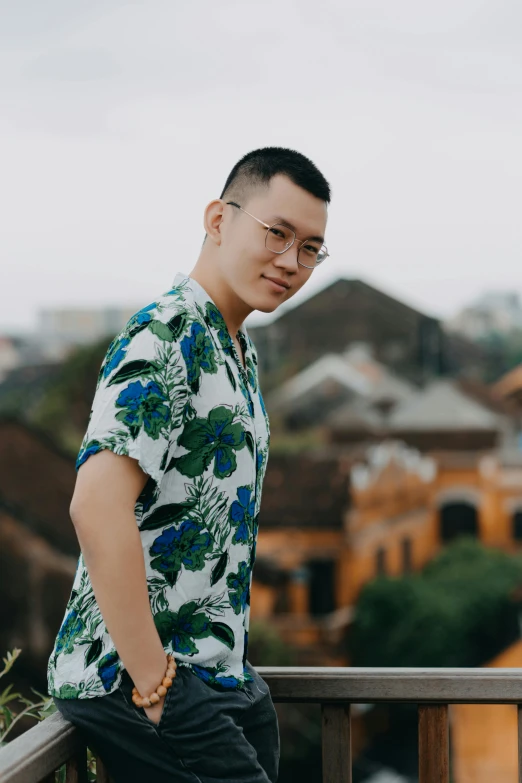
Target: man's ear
(212,220)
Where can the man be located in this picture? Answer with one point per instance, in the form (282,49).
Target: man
(167,499)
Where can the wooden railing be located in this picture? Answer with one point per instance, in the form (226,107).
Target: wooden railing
(35,755)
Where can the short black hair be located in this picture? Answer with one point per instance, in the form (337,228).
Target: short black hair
(259,166)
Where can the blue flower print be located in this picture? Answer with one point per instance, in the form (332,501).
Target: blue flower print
(227,682)
(143,406)
(93,447)
(142,317)
(72,627)
(202,673)
(240,584)
(115,355)
(262,403)
(241,514)
(108,669)
(198,353)
(185,546)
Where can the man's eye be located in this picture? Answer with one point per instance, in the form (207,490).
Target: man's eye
(278,233)
(311,249)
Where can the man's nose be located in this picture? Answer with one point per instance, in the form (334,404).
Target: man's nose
(288,259)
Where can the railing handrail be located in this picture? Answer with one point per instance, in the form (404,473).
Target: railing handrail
(39,751)
(54,741)
(357,685)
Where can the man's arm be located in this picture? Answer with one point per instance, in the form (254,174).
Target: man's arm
(102,511)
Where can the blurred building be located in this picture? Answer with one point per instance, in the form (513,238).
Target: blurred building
(484,737)
(331,520)
(9,355)
(404,469)
(412,344)
(61,329)
(497,312)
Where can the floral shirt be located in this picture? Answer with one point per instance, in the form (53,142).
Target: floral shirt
(173,394)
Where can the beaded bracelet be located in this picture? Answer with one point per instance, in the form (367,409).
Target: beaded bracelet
(161,690)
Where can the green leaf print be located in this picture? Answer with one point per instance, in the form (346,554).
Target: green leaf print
(219,569)
(135,369)
(94,652)
(251,446)
(182,628)
(162,331)
(216,437)
(224,633)
(137,328)
(164,622)
(68,691)
(230,376)
(169,514)
(177,325)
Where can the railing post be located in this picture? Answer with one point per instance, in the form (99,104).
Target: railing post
(433,743)
(102,775)
(337,743)
(76,767)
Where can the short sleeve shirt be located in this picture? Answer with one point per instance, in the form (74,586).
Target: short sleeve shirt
(173,394)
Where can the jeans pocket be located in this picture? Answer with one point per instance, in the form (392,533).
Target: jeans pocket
(258,687)
(126,693)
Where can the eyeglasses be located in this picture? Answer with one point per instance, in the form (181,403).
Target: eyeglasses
(280,238)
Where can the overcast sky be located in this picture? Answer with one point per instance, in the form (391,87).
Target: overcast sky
(120,121)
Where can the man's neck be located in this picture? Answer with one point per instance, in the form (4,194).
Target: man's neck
(233,310)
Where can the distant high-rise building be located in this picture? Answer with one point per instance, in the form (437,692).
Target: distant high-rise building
(61,329)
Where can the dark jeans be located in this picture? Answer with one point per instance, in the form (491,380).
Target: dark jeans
(204,735)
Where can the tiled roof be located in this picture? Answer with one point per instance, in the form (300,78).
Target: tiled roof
(305,490)
(442,406)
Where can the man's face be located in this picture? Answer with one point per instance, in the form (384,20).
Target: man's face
(247,263)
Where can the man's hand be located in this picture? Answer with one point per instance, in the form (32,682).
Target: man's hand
(155,712)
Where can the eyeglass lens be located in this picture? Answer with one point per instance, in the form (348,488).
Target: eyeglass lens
(279,238)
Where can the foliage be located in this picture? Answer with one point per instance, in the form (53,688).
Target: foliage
(461,610)
(8,718)
(266,648)
(34,709)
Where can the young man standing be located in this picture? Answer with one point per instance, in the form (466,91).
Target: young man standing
(151,659)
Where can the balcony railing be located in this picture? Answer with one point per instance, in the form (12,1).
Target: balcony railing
(35,755)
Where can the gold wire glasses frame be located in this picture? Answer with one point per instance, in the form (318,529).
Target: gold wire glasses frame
(286,239)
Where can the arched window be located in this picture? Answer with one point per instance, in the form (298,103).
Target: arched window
(380,561)
(322,586)
(458,519)
(517,526)
(406,555)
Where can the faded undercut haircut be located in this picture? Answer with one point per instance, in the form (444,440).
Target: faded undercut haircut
(259,166)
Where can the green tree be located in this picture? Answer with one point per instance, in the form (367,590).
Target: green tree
(461,610)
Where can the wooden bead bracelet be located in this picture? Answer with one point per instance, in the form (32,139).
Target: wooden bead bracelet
(161,690)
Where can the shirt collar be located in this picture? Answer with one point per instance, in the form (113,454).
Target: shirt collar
(217,322)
